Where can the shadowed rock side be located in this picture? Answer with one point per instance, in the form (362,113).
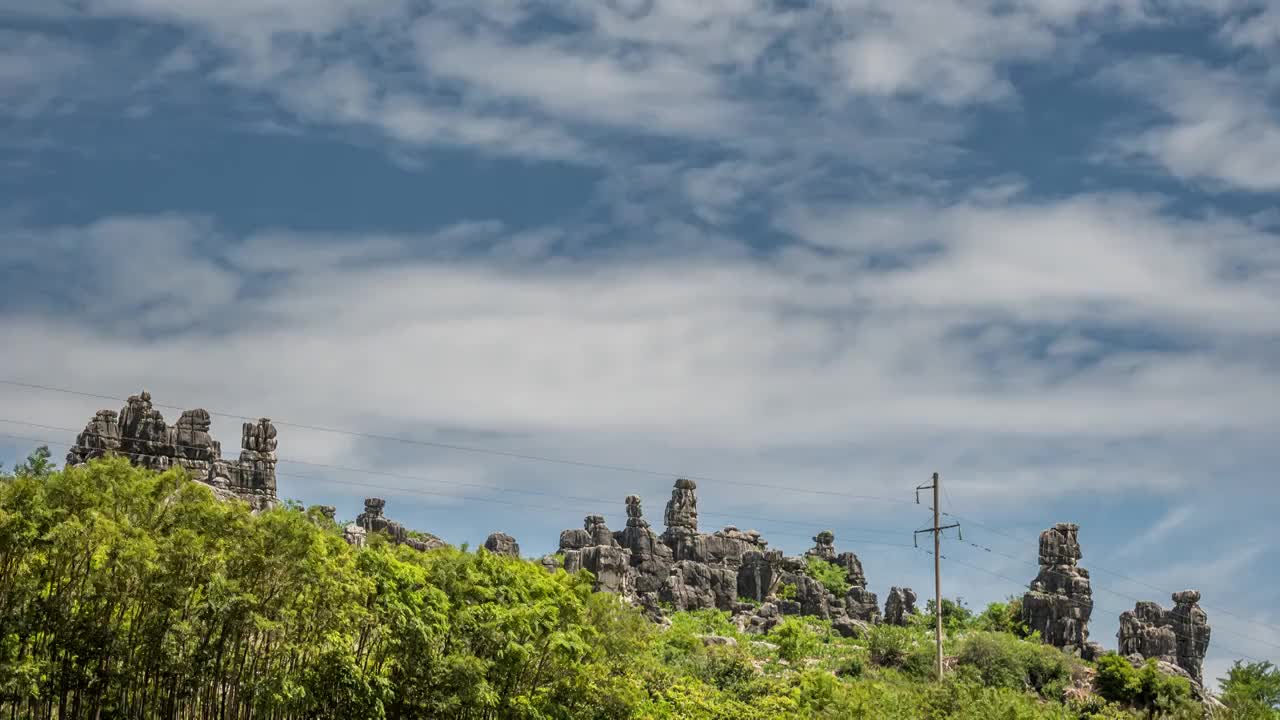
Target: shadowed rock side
(1179,637)
(1060,601)
(139,432)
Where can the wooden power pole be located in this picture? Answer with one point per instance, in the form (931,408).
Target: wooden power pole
(937,563)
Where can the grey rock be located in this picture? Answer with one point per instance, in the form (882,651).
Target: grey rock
(758,574)
(853,573)
(697,586)
(682,508)
(139,433)
(608,564)
(1060,600)
(328,511)
(373,520)
(598,531)
(812,598)
(1179,636)
(824,547)
(354,535)
(574,539)
(718,641)
(862,604)
(502,544)
(849,627)
(900,604)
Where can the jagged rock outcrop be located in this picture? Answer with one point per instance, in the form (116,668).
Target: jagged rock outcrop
(900,603)
(651,559)
(1179,636)
(502,544)
(862,604)
(1060,600)
(139,432)
(824,547)
(373,520)
(681,518)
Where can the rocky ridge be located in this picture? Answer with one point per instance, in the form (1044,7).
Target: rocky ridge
(682,568)
(139,432)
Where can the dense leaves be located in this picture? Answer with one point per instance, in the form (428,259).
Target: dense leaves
(130,594)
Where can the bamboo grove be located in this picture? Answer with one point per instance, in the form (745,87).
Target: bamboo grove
(131,594)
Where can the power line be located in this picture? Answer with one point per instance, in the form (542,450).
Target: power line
(478,450)
(1109,591)
(1116,573)
(482,486)
(418,491)
(1077,603)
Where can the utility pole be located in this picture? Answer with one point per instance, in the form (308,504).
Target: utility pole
(937,562)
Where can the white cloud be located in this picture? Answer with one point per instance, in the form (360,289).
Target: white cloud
(776,354)
(1218,126)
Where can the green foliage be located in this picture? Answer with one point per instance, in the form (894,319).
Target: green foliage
(795,639)
(1002,617)
(831,576)
(37,465)
(787,591)
(1144,688)
(1002,660)
(889,645)
(955,616)
(1252,690)
(130,594)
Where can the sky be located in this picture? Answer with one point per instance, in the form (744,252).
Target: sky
(806,251)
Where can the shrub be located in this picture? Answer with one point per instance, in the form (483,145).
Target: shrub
(889,645)
(1002,660)
(795,639)
(829,574)
(1005,617)
(1145,689)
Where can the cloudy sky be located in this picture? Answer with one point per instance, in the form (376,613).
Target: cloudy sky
(808,251)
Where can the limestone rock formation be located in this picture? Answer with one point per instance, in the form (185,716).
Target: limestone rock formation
(373,520)
(502,544)
(1060,600)
(354,535)
(139,432)
(824,547)
(1179,636)
(758,574)
(729,569)
(862,604)
(900,603)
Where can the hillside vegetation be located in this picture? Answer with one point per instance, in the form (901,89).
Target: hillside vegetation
(130,594)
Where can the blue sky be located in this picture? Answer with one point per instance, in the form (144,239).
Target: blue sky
(828,245)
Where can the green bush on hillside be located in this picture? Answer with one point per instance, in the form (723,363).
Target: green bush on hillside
(831,576)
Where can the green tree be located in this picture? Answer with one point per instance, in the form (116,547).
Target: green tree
(1252,690)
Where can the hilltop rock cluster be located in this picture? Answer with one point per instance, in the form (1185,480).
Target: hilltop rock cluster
(681,568)
(138,431)
(373,520)
(1060,600)
(1179,637)
(728,569)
